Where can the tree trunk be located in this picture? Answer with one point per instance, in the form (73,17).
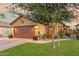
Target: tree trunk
(52,26)
(58,34)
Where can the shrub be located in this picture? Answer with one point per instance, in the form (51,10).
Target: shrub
(61,34)
(44,36)
(35,37)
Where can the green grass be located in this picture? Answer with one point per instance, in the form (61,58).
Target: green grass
(68,48)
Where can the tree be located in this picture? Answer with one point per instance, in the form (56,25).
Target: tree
(47,11)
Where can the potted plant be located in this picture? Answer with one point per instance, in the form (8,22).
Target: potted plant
(35,37)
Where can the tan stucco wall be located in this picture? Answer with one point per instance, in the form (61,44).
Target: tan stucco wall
(41,29)
(27,22)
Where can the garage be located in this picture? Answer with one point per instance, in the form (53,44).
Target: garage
(23,27)
(24,32)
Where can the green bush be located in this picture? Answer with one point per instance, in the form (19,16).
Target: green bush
(35,37)
(61,34)
(44,36)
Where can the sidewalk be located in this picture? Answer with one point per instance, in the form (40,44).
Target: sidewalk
(46,41)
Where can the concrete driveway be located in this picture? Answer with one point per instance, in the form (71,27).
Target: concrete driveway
(6,43)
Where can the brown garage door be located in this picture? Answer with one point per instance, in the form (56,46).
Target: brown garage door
(24,32)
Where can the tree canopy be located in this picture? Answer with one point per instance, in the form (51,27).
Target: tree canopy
(47,12)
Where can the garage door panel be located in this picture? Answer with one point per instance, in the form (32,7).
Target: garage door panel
(24,32)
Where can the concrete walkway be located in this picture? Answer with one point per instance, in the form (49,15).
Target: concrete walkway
(6,43)
(46,41)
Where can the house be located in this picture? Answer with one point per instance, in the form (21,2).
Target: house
(4,29)
(23,27)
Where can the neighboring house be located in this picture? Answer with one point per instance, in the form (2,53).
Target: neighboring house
(23,27)
(4,29)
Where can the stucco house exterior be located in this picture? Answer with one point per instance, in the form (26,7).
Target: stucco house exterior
(23,27)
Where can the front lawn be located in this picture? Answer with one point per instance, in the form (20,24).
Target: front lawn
(68,48)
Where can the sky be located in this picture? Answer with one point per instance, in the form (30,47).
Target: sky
(3,7)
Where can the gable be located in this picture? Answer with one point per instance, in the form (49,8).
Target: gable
(22,21)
